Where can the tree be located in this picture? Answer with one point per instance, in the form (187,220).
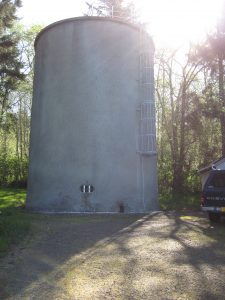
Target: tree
(211,54)
(10,73)
(10,65)
(179,118)
(113,8)
(21,99)
(16,81)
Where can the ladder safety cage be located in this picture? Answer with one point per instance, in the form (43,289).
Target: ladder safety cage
(147,92)
(147,144)
(148,110)
(146,69)
(147,130)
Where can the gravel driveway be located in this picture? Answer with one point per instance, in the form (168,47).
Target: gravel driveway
(155,256)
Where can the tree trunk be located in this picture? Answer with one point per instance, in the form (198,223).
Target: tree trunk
(222,100)
(180,167)
(222,125)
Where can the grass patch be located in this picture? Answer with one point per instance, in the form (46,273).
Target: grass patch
(180,202)
(14,222)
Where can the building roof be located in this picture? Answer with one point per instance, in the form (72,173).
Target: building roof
(215,165)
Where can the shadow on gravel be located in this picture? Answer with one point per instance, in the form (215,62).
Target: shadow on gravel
(56,239)
(196,271)
(203,249)
(157,256)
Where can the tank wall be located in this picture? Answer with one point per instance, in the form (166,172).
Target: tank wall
(84,121)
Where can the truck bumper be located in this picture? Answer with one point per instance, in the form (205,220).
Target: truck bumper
(214,209)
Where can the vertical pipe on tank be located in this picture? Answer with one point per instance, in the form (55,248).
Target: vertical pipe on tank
(143,182)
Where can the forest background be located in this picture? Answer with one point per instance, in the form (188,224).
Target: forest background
(189,94)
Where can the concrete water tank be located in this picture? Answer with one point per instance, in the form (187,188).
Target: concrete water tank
(93,119)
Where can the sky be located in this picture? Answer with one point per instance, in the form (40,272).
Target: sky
(172,23)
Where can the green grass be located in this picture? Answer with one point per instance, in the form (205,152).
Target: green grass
(14,222)
(180,202)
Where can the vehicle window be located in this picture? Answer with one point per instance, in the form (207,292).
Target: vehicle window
(218,180)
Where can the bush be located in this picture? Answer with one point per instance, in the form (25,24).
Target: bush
(13,172)
(186,201)
(14,222)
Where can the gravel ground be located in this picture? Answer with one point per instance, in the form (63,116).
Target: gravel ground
(155,256)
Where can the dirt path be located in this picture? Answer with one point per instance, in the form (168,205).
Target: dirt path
(158,256)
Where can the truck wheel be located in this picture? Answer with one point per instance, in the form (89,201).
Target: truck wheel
(214,217)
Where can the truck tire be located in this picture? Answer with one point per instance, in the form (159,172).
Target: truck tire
(214,217)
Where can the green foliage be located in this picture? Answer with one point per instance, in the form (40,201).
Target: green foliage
(14,223)
(13,172)
(192,182)
(15,118)
(184,202)
(179,119)
(10,65)
(189,133)
(165,175)
(7,12)
(211,54)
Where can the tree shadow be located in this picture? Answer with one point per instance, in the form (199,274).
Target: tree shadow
(195,269)
(204,251)
(55,240)
(155,256)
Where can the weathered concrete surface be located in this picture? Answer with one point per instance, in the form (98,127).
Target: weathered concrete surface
(160,256)
(85,120)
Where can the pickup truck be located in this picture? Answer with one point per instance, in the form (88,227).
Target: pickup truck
(213,195)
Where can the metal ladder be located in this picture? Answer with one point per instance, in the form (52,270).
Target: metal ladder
(147,131)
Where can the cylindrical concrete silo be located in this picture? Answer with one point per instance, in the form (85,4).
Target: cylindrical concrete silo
(93,119)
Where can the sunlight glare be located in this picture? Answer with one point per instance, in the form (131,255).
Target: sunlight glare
(176,22)
(170,22)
